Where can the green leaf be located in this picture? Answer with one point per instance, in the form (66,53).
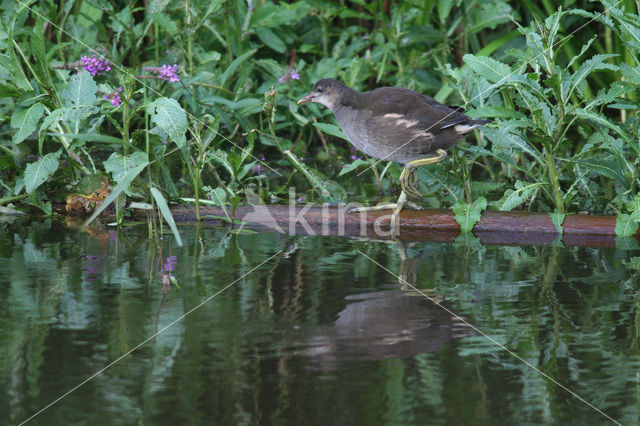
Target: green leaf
(494,71)
(602,120)
(606,167)
(627,224)
(330,129)
(354,165)
(489,15)
(119,165)
(444,9)
(467,215)
(26,121)
(558,218)
(218,196)
(80,91)
(130,175)
(235,64)
(271,39)
(590,65)
(165,23)
(35,174)
(631,74)
(170,120)
(221,157)
(166,213)
(513,199)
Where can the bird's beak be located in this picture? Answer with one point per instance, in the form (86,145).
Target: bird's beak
(306,99)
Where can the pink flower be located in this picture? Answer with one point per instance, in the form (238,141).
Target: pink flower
(95,65)
(169,72)
(114,97)
(291,74)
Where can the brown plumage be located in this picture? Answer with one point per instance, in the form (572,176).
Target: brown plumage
(392,123)
(395,124)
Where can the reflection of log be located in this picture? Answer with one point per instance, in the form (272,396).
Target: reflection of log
(517,228)
(382,325)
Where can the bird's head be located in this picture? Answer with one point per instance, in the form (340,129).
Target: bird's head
(325,92)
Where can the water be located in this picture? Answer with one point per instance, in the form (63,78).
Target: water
(317,334)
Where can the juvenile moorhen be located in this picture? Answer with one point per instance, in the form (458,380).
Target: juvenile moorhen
(395,124)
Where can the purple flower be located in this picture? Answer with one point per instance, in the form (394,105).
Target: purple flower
(95,65)
(170,263)
(114,97)
(299,200)
(291,74)
(165,141)
(169,72)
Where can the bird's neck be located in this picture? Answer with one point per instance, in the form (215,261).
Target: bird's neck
(348,98)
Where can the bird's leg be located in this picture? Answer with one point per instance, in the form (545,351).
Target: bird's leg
(402,200)
(408,177)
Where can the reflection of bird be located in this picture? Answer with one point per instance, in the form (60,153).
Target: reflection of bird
(395,124)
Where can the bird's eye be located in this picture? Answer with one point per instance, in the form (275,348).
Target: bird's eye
(319,89)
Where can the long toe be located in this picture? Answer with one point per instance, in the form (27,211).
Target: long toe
(388,206)
(411,190)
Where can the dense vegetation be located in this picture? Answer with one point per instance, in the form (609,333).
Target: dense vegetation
(197,100)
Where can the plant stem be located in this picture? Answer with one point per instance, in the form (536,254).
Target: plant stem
(555,183)
(6,200)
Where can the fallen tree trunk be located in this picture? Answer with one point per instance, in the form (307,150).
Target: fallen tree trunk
(495,227)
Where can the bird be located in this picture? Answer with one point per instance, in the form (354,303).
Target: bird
(394,124)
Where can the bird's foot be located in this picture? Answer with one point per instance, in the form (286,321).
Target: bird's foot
(408,179)
(386,206)
(396,207)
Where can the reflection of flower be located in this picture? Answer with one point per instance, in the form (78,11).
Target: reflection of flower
(289,75)
(91,269)
(170,263)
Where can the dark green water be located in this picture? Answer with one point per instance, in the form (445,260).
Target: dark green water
(318,334)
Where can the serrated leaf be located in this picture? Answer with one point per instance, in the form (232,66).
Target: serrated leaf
(166,213)
(26,121)
(515,198)
(631,74)
(558,218)
(330,129)
(119,165)
(170,119)
(35,174)
(489,15)
(165,23)
(584,49)
(596,63)
(600,119)
(81,90)
(467,215)
(494,71)
(606,167)
(627,224)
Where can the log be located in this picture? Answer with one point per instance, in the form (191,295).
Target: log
(495,227)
